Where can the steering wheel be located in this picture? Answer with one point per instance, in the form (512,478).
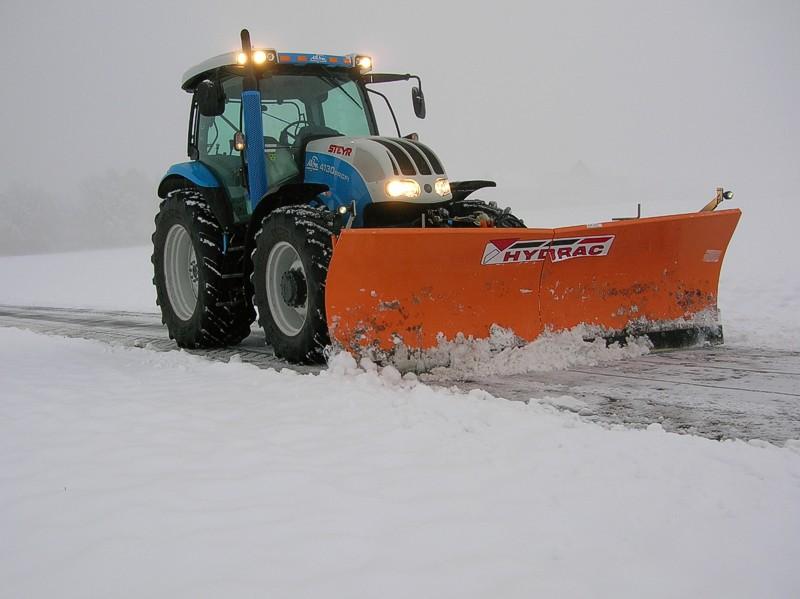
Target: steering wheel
(287,132)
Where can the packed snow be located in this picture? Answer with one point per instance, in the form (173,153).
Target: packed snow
(131,473)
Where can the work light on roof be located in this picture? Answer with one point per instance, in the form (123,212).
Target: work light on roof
(260,57)
(364,63)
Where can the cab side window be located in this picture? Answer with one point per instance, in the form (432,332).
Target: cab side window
(216,133)
(215,145)
(276,117)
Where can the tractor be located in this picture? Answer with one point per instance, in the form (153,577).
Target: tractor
(284,154)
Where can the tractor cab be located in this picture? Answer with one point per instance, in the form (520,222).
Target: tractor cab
(293,99)
(297,105)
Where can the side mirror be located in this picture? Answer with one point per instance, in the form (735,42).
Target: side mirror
(418,99)
(210,99)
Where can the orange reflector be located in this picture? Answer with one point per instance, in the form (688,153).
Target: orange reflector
(386,285)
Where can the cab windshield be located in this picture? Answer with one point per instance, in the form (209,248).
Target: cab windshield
(294,109)
(294,106)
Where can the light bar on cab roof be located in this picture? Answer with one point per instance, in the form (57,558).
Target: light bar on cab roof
(263,56)
(330,60)
(361,62)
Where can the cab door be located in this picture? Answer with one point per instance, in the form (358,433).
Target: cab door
(216,150)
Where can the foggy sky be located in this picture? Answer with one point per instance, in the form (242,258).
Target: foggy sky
(675,97)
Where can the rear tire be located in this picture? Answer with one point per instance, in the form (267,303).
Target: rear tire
(472,208)
(290,266)
(202,294)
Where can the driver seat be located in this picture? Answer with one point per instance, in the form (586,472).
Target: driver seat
(281,166)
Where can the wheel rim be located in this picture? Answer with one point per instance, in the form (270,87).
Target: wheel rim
(284,259)
(181,272)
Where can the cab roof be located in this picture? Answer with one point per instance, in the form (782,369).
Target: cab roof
(200,71)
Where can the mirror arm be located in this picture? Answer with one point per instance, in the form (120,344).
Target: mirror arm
(389,104)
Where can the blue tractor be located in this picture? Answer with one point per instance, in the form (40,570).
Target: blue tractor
(285,153)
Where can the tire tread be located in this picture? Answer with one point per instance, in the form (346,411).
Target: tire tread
(227,311)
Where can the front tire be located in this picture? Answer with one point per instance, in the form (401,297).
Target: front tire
(200,290)
(290,266)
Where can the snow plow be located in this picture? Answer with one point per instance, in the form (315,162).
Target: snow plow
(656,276)
(294,204)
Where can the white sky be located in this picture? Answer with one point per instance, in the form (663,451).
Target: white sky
(679,96)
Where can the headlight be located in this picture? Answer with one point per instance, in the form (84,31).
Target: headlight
(259,57)
(402,188)
(442,187)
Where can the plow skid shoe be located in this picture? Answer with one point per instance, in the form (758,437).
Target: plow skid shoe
(661,274)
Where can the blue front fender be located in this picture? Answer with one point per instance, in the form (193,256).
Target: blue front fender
(195,171)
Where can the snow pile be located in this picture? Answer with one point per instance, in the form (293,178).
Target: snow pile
(131,473)
(503,353)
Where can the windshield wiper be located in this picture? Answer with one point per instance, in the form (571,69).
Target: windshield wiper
(331,80)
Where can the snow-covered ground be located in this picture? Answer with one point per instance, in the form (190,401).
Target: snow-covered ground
(111,279)
(126,472)
(131,473)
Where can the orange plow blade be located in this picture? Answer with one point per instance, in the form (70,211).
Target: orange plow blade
(412,286)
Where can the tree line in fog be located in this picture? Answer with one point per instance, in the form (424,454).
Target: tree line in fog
(113,209)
